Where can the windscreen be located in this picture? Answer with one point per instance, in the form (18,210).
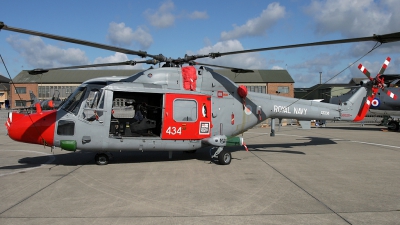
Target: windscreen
(74,101)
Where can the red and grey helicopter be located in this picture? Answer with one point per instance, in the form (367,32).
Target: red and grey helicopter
(176,107)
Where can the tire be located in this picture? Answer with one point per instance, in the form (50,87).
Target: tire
(225,157)
(393,125)
(396,126)
(101,159)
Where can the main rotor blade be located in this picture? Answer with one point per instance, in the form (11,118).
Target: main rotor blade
(235,70)
(76,41)
(386,38)
(127,63)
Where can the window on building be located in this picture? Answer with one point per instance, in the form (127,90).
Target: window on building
(20,103)
(47,92)
(283,89)
(20,90)
(258,89)
(41,92)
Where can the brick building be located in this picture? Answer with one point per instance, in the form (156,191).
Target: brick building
(4,90)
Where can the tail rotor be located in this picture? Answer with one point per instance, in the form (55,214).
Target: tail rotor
(378,81)
(373,87)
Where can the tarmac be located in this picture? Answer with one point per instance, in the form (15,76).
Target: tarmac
(344,173)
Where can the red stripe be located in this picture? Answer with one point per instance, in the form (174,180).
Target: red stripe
(364,110)
(365,71)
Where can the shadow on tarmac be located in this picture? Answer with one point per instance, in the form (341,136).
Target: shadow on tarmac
(129,157)
(357,128)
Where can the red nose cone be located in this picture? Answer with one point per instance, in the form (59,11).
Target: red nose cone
(36,128)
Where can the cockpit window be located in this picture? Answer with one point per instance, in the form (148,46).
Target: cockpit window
(94,103)
(92,100)
(74,101)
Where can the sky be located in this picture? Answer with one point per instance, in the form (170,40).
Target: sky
(176,27)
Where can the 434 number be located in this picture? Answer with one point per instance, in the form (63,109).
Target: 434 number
(174,130)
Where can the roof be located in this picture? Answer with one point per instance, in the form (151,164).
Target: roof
(258,76)
(79,76)
(4,86)
(325,86)
(357,80)
(4,83)
(4,79)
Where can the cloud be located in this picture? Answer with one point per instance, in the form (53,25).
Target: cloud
(277,68)
(119,34)
(257,26)
(163,16)
(41,55)
(244,61)
(198,15)
(355,18)
(307,73)
(117,57)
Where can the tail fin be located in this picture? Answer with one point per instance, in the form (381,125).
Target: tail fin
(356,108)
(34,100)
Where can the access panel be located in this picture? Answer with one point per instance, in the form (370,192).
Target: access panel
(187,117)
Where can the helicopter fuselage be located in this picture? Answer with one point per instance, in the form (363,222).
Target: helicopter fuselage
(164,111)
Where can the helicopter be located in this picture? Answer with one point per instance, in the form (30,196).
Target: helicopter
(48,104)
(173,107)
(385,102)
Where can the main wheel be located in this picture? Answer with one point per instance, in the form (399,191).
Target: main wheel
(101,159)
(224,157)
(393,125)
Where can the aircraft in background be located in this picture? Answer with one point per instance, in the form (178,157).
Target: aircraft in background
(385,103)
(49,104)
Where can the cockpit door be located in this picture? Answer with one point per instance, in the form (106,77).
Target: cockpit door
(187,117)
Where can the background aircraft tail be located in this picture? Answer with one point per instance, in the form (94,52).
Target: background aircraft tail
(33,100)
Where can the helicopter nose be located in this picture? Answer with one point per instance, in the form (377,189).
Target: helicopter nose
(35,128)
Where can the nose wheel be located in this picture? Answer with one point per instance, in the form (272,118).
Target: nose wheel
(224,156)
(101,159)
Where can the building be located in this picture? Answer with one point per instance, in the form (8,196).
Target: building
(64,82)
(4,90)
(325,91)
(276,82)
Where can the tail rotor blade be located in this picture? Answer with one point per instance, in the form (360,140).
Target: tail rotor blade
(364,70)
(385,65)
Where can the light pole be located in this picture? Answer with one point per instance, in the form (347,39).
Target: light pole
(320,77)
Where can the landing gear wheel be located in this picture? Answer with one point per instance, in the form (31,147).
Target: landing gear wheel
(393,125)
(224,157)
(101,159)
